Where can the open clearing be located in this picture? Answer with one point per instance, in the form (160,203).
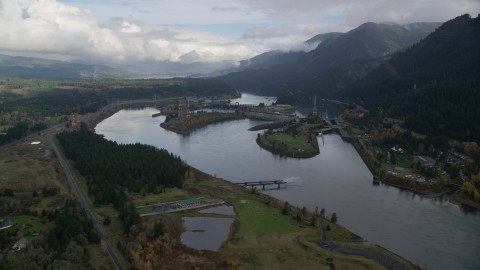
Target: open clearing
(299,142)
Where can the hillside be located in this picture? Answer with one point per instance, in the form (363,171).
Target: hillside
(368,42)
(445,67)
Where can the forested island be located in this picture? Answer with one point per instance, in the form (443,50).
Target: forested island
(197,120)
(293,139)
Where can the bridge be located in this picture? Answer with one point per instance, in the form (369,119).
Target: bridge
(270,116)
(230,106)
(263,183)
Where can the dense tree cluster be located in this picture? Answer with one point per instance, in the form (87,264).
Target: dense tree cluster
(14,133)
(411,144)
(109,168)
(38,127)
(62,243)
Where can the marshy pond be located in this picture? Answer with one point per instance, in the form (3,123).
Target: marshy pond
(205,232)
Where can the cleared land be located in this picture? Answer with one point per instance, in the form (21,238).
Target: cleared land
(294,143)
(258,219)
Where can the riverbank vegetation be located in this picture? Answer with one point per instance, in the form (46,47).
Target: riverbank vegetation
(426,164)
(197,120)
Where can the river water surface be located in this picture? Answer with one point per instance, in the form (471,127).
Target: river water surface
(430,232)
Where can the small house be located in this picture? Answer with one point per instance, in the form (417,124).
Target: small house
(190,202)
(22,243)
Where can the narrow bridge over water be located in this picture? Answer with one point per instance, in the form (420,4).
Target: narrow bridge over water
(230,106)
(270,116)
(263,183)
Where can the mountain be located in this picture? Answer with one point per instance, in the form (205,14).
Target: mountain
(264,60)
(434,85)
(42,68)
(324,36)
(368,45)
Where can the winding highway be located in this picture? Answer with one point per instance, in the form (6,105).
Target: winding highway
(95,223)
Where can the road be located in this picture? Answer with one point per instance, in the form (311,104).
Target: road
(95,223)
(33,135)
(385,260)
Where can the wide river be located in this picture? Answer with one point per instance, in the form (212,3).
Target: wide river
(430,232)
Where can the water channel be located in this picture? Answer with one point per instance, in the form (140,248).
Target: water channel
(430,232)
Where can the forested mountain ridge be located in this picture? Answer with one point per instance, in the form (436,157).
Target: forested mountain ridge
(445,67)
(365,45)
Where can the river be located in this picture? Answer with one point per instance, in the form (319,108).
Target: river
(430,232)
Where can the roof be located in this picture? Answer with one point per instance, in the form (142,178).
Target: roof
(425,159)
(187,201)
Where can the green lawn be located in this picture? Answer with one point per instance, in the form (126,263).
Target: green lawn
(258,219)
(300,142)
(344,132)
(37,225)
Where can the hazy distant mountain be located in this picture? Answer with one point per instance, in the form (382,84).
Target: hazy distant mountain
(37,67)
(270,58)
(264,60)
(445,70)
(367,45)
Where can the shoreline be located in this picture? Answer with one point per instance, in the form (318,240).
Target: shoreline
(457,200)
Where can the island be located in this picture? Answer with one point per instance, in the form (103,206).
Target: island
(185,125)
(296,139)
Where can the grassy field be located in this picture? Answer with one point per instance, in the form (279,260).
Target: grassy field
(258,219)
(37,225)
(24,168)
(300,142)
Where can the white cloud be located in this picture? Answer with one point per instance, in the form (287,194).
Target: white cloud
(130,28)
(170,29)
(51,27)
(261,32)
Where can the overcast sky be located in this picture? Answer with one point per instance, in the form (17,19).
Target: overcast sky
(196,30)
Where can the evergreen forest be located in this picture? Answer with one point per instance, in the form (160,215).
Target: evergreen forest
(110,169)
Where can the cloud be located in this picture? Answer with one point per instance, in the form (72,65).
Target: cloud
(51,27)
(230,9)
(261,32)
(293,45)
(130,28)
(352,13)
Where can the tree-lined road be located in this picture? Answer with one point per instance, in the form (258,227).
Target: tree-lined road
(95,223)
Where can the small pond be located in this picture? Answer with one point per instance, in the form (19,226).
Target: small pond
(221,210)
(205,232)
